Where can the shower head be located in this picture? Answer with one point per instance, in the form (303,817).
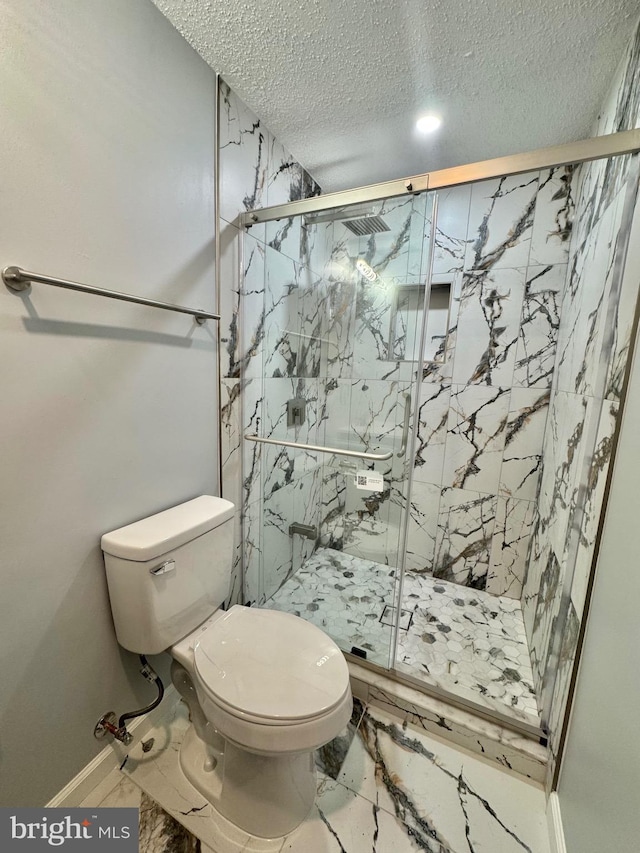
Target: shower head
(368,224)
(359,220)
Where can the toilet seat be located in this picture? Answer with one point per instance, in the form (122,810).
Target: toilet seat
(268,681)
(270,667)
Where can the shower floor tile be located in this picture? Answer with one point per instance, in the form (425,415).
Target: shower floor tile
(463,640)
(346,597)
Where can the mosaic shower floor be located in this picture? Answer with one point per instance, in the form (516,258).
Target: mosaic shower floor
(463,640)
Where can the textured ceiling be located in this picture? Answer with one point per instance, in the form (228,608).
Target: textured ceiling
(341,83)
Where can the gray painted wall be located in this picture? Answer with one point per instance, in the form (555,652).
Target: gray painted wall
(600,776)
(108,410)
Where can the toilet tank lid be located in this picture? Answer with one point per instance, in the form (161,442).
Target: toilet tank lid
(150,537)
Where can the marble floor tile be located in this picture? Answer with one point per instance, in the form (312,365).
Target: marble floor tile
(160,833)
(115,791)
(446,799)
(331,756)
(464,640)
(345,596)
(397,789)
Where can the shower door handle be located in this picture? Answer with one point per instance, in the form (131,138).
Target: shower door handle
(405,427)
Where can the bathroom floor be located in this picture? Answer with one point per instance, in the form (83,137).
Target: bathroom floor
(382,786)
(466,641)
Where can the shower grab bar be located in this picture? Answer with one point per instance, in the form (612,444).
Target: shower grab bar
(18,280)
(336,451)
(405,427)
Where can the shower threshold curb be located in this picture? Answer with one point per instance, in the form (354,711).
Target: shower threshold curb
(496,743)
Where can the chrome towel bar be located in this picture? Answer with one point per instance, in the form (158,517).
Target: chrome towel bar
(18,280)
(371,457)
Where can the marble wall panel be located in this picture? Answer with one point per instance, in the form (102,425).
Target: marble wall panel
(488,326)
(230,438)
(377,411)
(584,306)
(252,546)
(604,185)
(591,501)
(592,351)
(431,436)
(276,544)
(332,507)
(500,222)
(230,342)
(553,218)
(476,431)
(292,500)
(244,158)
(625,310)
(339,307)
(539,324)
(307,503)
(523,440)
(422,530)
(252,405)
(564,670)
(570,413)
(236,592)
(282,300)
(509,546)
(374,348)
(450,238)
(334,412)
(466,522)
(251,320)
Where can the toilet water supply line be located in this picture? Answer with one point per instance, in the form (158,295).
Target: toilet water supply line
(107,723)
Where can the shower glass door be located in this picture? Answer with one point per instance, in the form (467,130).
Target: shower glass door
(337,300)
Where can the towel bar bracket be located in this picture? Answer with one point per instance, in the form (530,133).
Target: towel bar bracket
(14,281)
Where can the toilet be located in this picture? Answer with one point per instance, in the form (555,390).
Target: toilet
(265,689)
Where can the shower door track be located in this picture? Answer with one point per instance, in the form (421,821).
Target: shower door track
(594,148)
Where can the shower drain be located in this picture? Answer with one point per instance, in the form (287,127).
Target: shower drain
(388,618)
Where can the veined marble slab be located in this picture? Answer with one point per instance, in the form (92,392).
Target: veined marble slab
(395,789)
(423,712)
(462,640)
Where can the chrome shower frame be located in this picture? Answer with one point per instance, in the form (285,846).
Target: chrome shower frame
(595,148)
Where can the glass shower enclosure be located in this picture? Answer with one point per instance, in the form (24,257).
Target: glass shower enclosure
(426,443)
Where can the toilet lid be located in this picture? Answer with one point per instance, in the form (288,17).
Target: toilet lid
(270,664)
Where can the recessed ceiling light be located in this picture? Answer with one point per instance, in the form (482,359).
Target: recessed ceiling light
(427,124)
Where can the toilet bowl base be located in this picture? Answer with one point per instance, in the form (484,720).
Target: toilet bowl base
(264,795)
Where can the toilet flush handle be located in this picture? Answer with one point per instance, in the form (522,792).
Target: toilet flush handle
(163,568)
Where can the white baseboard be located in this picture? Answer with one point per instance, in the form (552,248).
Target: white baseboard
(554,825)
(112,756)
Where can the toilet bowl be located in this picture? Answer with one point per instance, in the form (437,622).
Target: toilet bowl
(273,689)
(264,688)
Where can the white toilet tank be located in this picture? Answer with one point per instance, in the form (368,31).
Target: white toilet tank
(169,572)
